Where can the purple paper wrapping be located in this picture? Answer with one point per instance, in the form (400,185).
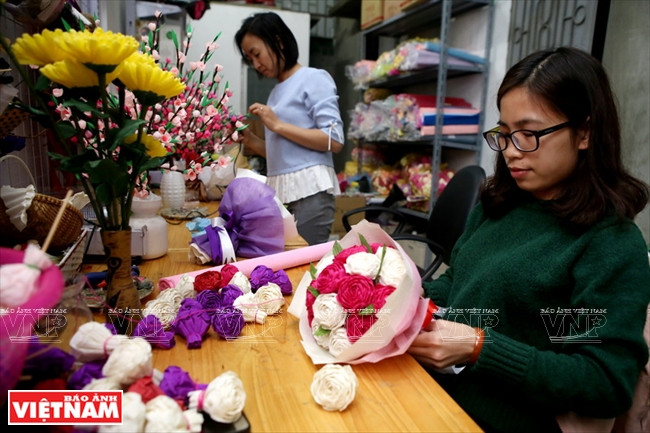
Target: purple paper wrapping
(177,383)
(255,218)
(192,322)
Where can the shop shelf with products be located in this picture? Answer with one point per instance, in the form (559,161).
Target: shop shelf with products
(458,21)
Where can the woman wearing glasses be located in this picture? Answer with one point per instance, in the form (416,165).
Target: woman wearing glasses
(547,291)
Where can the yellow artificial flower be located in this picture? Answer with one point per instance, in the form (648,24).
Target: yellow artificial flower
(99,48)
(141,76)
(41,48)
(70,73)
(154,147)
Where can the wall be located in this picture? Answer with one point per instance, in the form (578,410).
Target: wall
(626,58)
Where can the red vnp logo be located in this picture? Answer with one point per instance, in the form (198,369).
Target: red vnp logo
(65,407)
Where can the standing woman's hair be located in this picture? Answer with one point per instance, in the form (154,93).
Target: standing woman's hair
(573,84)
(269,27)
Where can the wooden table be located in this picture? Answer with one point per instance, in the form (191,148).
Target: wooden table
(396,394)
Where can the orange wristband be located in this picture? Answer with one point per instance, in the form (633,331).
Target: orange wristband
(431,309)
(478,345)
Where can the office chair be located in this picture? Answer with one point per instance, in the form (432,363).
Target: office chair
(447,219)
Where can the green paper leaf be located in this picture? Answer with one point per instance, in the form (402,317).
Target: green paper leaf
(312,271)
(337,248)
(313,291)
(368,311)
(365,243)
(320,332)
(172,35)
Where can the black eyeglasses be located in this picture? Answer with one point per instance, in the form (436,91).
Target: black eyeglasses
(524,140)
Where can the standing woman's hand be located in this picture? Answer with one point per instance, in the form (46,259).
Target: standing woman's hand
(266,115)
(444,343)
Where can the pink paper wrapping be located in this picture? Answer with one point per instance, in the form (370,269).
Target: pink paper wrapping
(406,310)
(283,260)
(16,323)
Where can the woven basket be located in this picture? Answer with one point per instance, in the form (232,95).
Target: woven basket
(40,217)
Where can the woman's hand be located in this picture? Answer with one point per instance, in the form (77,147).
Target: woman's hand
(444,343)
(253,145)
(266,115)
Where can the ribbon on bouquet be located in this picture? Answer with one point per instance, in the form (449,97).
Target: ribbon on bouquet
(250,224)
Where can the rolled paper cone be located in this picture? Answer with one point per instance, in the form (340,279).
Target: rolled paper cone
(283,260)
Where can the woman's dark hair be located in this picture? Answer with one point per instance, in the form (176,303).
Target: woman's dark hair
(573,84)
(269,27)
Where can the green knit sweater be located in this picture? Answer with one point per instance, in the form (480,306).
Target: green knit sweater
(563,315)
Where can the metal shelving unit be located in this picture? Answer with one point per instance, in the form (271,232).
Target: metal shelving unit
(425,16)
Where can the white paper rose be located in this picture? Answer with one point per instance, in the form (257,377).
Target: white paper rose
(393,270)
(338,341)
(252,313)
(224,398)
(240,280)
(366,264)
(328,311)
(130,361)
(334,387)
(269,298)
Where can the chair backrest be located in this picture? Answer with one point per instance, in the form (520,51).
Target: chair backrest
(449,214)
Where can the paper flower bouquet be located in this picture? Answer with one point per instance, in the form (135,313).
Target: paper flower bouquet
(361,302)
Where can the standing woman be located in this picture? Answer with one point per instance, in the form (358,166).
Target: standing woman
(302,125)
(548,288)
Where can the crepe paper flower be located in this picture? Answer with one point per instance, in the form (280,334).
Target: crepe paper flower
(41,49)
(356,325)
(46,361)
(165,306)
(185,287)
(85,374)
(228,322)
(229,294)
(269,298)
(240,280)
(142,77)
(192,322)
(152,330)
(154,147)
(334,387)
(162,413)
(227,272)
(98,48)
(146,388)
(104,384)
(177,384)
(133,415)
(224,398)
(328,312)
(94,341)
(250,310)
(208,280)
(19,279)
(210,300)
(262,275)
(71,74)
(130,360)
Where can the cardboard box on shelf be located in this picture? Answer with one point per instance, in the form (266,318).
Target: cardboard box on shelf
(392,8)
(407,4)
(343,204)
(372,13)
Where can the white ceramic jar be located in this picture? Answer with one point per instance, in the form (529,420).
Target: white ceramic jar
(172,189)
(145,219)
